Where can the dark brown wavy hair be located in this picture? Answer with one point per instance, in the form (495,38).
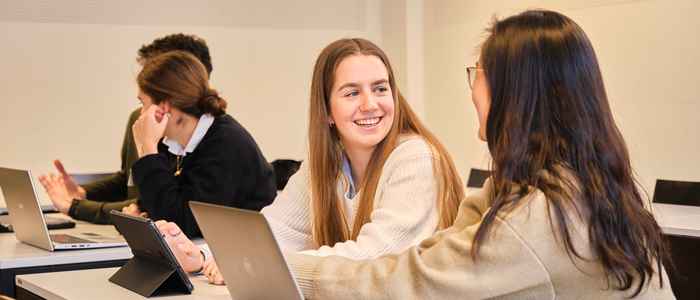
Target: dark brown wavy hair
(550,127)
(181,79)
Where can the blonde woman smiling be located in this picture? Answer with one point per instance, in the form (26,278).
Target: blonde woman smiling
(376,180)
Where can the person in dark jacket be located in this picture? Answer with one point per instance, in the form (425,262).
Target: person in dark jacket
(93,201)
(190,149)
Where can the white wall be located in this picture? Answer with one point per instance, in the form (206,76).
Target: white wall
(67,83)
(68,70)
(403,42)
(649,52)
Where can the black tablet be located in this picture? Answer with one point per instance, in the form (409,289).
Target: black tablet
(153,270)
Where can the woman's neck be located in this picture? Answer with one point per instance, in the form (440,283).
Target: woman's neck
(186,130)
(359,159)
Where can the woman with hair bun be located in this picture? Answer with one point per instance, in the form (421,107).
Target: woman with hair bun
(190,149)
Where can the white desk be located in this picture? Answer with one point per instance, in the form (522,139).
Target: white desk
(673,219)
(678,219)
(18,258)
(94,284)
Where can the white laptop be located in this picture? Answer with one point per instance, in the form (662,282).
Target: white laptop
(246,252)
(28,220)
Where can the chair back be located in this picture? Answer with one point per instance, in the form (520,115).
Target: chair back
(677,192)
(477,177)
(284,169)
(85,178)
(685,275)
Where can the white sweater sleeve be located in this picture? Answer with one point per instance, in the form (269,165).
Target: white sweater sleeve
(405,209)
(289,215)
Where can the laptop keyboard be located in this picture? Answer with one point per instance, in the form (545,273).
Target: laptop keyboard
(68,239)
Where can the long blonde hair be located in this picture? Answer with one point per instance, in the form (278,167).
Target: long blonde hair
(325,151)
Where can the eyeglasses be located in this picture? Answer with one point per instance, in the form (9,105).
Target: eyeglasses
(471,75)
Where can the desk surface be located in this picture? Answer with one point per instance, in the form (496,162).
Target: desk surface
(678,219)
(14,254)
(673,219)
(94,284)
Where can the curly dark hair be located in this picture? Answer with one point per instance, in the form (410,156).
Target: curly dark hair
(178,41)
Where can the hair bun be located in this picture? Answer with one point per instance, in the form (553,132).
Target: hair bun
(212,103)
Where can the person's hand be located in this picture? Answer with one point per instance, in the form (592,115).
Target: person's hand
(134,210)
(56,189)
(61,188)
(148,129)
(211,270)
(186,252)
(74,189)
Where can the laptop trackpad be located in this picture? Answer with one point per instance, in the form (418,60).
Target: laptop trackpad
(68,239)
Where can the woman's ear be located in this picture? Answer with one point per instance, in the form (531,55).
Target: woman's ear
(165,106)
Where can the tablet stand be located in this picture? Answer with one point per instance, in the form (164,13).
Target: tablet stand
(148,278)
(153,270)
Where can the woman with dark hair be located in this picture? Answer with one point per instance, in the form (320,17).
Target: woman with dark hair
(189,148)
(561,216)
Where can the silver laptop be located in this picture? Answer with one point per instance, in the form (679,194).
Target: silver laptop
(28,220)
(246,252)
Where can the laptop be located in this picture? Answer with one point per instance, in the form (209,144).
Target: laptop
(46,208)
(28,220)
(246,252)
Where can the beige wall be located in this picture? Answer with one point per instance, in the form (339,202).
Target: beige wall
(649,53)
(69,68)
(402,40)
